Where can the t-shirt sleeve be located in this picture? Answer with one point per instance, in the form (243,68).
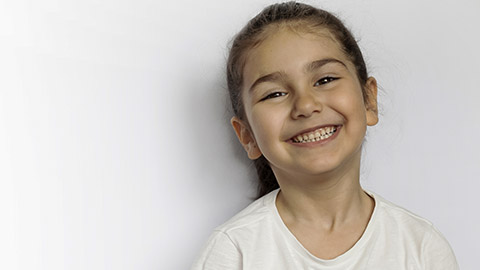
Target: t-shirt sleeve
(219,253)
(437,253)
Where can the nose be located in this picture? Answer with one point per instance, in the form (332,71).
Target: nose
(305,105)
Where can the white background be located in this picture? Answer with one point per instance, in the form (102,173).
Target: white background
(115,148)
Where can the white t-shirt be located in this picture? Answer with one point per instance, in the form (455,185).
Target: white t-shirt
(257,238)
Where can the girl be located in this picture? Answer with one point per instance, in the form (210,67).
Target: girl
(303,100)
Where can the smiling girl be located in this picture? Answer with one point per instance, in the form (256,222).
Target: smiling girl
(303,100)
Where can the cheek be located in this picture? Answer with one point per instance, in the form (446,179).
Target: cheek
(262,123)
(350,104)
(266,124)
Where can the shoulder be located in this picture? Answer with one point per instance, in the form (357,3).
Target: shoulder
(229,241)
(404,219)
(415,233)
(253,215)
(218,253)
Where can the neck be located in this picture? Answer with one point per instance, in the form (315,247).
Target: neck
(329,200)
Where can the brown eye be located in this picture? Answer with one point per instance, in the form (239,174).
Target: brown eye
(325,80)
(273,95)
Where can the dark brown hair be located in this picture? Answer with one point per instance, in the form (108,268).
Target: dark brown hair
(302,18)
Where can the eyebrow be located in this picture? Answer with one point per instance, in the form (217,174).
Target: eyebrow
(277,76)
(320,63)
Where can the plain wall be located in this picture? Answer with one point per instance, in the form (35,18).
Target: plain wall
(115,145)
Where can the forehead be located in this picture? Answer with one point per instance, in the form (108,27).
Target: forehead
(290,51)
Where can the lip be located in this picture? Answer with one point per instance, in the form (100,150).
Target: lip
(321,142)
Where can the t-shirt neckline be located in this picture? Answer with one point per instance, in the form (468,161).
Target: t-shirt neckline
(293,242)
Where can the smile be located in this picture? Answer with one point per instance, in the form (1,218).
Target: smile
(316,135)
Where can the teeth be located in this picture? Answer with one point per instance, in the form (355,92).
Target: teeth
(317,135)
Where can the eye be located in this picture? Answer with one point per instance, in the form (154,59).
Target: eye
(325,80)
(273,95)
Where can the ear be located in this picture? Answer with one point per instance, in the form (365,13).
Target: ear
(371,105)
(245,136)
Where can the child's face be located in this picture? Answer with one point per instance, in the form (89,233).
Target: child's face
(302,85)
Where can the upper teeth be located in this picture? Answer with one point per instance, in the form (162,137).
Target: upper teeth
(316,135)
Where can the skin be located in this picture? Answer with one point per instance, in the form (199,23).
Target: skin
(295,82)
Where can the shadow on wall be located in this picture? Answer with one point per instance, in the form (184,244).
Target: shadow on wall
(222,162)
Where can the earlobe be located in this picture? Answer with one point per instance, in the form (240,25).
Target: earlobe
(246,138)
(371,105)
